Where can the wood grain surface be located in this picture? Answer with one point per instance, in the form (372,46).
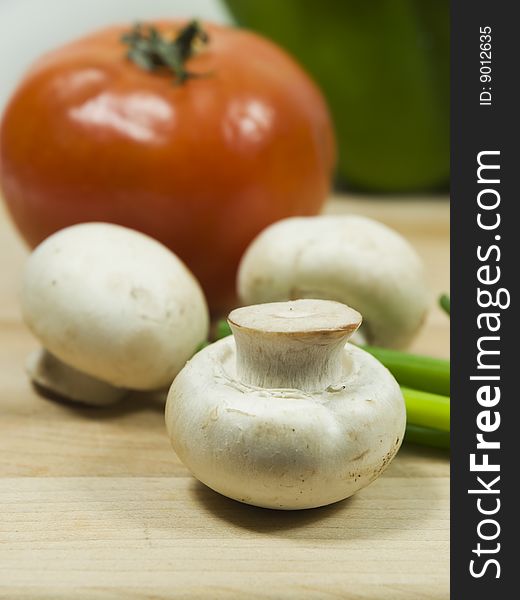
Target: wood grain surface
(94,504)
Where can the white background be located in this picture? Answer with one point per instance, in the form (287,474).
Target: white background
(29,27)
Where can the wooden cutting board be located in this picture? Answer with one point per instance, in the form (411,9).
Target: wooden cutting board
(94,504)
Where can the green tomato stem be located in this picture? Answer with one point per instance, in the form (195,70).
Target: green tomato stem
(150,50)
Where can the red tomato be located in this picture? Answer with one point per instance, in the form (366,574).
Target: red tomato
(202,166)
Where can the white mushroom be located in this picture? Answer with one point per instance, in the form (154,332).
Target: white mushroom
(114,310)
(284,414)
(350,259)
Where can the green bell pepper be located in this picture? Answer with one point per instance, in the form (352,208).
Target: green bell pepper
(383,66)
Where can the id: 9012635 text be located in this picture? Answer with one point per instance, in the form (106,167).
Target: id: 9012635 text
(485,66)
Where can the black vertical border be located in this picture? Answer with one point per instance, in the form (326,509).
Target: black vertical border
(475,128)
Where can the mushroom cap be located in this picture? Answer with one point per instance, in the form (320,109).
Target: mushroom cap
(298,318)
(114,304)
(284,448)
(350,259)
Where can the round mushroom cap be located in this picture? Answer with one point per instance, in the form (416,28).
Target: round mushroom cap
(114,304)
(284,448)
(347,258)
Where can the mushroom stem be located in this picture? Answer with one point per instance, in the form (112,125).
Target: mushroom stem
(295,344)
(51,374)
